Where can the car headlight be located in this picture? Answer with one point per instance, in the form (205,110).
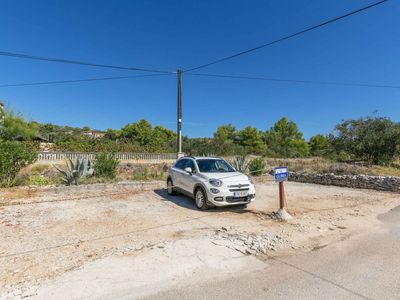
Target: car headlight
(215,182)
(251,180)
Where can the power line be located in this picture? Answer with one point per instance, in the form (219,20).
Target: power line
(78,80)
(299,81)
(207,75)
(286,37)
(75,62)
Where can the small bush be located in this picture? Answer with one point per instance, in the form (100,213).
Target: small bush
(38,180)
(94,179)
(106,165)
(343,156)
(257,166)
(13,157)
(145,175)
(39,168)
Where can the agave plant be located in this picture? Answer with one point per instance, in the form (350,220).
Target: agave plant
(240,163)
(76,170)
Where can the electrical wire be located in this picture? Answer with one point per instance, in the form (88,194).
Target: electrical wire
(298,81)
(78,80)
(295,81)
(286,37)
(75,62)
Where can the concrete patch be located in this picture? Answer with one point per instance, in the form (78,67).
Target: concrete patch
(150,272)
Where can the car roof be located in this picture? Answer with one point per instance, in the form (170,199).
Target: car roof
(202,157)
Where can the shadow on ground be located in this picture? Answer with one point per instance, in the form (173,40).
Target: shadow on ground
(392,216)
(188,203)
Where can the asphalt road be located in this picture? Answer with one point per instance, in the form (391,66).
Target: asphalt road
(366,266)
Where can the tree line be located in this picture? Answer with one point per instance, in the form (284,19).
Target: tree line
(373,139)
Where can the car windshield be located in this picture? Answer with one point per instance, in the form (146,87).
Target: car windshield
(214,166)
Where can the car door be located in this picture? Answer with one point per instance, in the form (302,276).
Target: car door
(189,180)
(178,171)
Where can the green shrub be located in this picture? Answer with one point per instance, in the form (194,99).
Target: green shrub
(319,145)
(285,140)
(344,156)
(375,140)
(38,180)
(13,157)
(145,175)
(257,166)
(106,165)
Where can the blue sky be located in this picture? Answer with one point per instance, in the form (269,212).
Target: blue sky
(170,34)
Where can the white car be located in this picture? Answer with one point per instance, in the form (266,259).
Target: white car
(210,181)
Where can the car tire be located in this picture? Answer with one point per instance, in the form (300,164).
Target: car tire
(200,198)
(170,187)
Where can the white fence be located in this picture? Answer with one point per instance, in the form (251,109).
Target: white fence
(146,157)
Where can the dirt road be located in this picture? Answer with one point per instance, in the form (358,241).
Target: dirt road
(362,267)
(105,241)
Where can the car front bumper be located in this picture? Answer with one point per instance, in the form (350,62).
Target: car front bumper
(227,198)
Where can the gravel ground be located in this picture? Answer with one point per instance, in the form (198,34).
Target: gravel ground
(250,243)
(47,233)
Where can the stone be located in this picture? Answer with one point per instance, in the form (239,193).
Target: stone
(380,183)
(283,215)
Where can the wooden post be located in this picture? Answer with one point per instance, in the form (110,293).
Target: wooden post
(281,195)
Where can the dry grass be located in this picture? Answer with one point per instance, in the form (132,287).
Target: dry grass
(39,168)
(386,171)
(321,165)
(18,193)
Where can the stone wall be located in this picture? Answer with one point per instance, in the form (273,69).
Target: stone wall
(380,183)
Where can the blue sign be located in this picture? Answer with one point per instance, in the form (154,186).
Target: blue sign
(281,174)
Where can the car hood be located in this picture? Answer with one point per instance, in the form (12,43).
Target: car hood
(226,177)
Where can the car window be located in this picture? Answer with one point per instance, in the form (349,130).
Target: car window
(190,164)
(180,164)
(214,166)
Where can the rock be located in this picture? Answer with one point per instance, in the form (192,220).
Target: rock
(226,228)
(283,215)
(380,183)
(253,243)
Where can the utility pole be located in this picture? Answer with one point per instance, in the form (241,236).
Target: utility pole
(179,115)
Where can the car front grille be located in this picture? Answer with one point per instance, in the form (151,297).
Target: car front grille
(239,187)
(238,190)
(236,199)
(231,199)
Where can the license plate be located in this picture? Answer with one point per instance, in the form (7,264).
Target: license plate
(240,194)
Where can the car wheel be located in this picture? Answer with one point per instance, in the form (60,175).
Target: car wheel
(200,199)
(170,187)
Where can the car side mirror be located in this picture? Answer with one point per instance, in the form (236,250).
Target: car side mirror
(189,170)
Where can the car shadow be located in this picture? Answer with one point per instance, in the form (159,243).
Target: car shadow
(188,203)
